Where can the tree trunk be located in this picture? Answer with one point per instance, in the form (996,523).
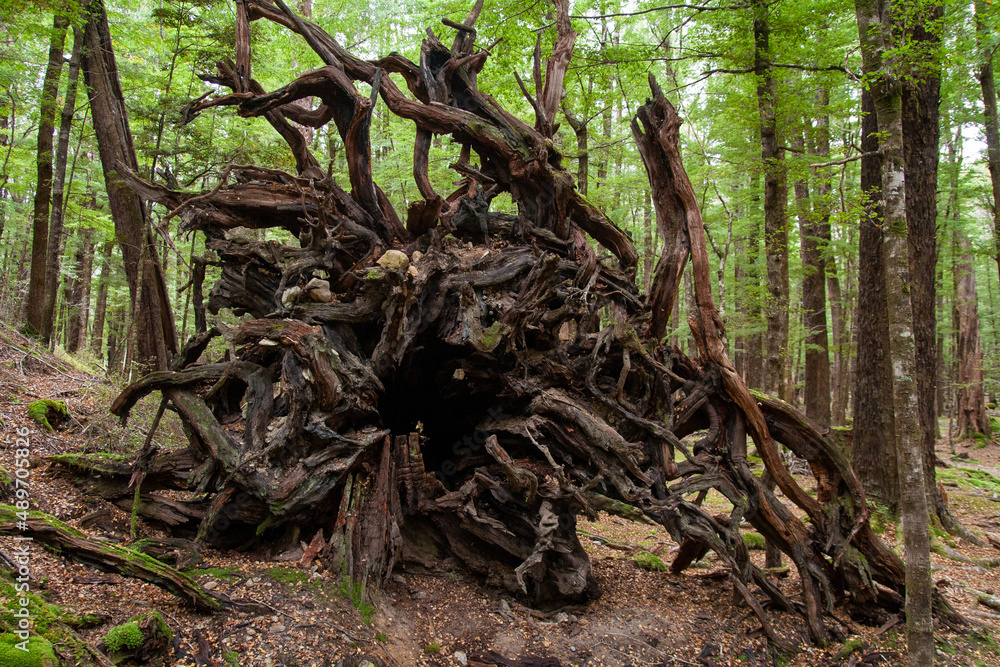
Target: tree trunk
(971,413)
(151,304)
(53,253)
(817,371)
(100,309)
(921,97)
(775,209)
(81,292)
(991,125)
(875,29)
(43,187)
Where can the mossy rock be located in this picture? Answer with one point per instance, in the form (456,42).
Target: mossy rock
(754,541)
(39,652)
(48,413)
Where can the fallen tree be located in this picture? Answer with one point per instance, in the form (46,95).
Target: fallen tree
(456,390)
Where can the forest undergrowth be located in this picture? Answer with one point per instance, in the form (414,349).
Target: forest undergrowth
(284,609)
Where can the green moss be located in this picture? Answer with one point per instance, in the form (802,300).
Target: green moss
(849,647)
(355,592)
(231,572)
(648,561)
(491,336)
(43,410)
(432,648)
(288,575)
(125,637)
(754,541)
(382,637)
(981,440)
(231,658)
(39,652)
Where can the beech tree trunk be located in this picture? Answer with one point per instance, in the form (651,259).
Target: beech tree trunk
(971,409)
(991,125)
(43,186)
(817,365)
(55,236)
(876,26)
(921,97)
(775,209)
(152,316)
(101,307)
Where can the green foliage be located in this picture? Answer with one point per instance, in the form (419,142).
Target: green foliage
(648,561)
(40,652)
(432,648)
(231,658)
(41,411)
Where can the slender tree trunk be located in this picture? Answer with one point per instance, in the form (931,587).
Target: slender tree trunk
(155,335)
(100,309)
(43,187)
(921,97)
(775,208)
(755,344)
(583,156)
(58,189)
(817,363)
(876,32)
(986,81)
(81,292)
(648,260)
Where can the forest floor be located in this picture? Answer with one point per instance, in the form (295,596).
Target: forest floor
(646,616)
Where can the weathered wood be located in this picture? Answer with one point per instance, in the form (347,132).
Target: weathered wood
(458,397)
(107,557)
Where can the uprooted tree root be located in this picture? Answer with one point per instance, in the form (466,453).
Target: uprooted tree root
(461,401)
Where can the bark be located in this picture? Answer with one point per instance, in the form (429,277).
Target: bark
(579,127)
(43,188)
(971,409)
(817,365)
(921,97)
(875,28)
(984,72)
(79,294)
(53,252)
(775,204)
(873,445)
(153,321)
(101,307)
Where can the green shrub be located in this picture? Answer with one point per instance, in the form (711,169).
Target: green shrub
(433,647)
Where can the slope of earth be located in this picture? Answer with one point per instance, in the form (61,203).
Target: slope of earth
(292,612)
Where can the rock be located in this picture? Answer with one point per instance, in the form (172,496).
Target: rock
(366,663)
(419,595)
(505,607)
(399,579)
(241,235)
(562,617)
(290,296)
(394,260)
(319,290)
(460,658)
(251,632)
(210,585)
(412,271)
(276,629)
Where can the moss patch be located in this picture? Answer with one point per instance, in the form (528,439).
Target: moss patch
(39,653)
(648,561)
(125,637)
(46,411)
(754,541)
(288,575)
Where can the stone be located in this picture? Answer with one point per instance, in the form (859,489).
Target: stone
(394,260)
(460,658)
(290,296)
